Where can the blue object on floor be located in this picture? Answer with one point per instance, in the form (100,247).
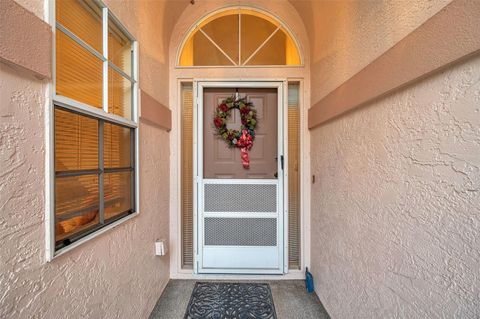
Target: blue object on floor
(309,281)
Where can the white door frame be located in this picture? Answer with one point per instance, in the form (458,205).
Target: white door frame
(281,86)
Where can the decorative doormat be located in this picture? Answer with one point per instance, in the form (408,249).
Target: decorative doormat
(223,300)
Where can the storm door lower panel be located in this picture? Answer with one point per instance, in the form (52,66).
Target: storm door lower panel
(245,241)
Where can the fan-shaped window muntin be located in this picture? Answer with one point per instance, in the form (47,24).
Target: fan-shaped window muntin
(239,38)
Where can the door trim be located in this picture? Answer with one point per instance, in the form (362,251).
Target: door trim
(281,86)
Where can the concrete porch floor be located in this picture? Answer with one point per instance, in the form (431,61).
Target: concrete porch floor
(289,296)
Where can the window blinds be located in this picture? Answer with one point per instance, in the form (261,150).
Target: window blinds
(94,175)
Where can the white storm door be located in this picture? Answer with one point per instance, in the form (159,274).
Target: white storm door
(239,212)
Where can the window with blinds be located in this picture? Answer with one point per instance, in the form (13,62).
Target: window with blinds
(187,174)
(294,229)
(94,121)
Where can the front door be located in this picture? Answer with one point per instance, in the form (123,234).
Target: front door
(240,210)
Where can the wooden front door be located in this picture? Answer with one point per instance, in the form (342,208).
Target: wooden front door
(240,211)
(219,160)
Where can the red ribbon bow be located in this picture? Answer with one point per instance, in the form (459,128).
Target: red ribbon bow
(245,143)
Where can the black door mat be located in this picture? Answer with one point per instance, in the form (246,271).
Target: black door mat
(223,300)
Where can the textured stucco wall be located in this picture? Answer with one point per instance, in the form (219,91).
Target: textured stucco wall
(396,205)
(346,35)
(115,275)
(34,51)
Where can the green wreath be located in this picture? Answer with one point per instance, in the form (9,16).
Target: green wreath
(236,138)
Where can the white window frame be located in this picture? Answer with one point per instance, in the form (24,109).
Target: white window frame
(84,109)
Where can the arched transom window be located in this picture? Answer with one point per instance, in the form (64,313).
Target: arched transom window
(239,37)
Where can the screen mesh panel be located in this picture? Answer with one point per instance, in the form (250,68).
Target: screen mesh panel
(187,175)
(240,231)
(294,241)
(240,198)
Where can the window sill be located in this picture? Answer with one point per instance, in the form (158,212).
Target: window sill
(87,238)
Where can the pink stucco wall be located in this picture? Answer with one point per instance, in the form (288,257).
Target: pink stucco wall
(395,209)
(346,36)
(115,275)
(395,205)
(25,40)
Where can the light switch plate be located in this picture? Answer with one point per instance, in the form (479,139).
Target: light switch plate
(160,248)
